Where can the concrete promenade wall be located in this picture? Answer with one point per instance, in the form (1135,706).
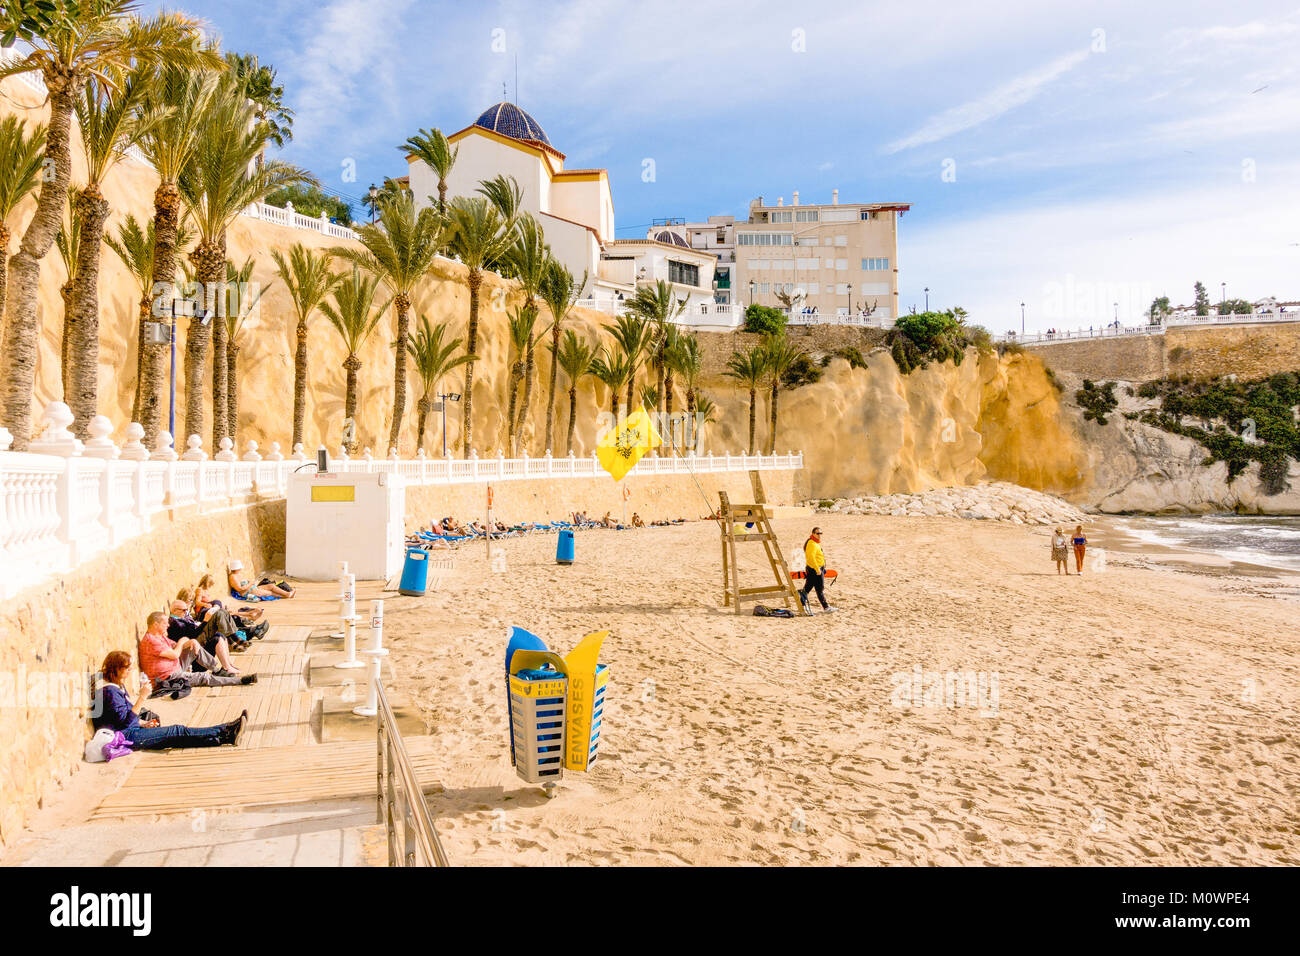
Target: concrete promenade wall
(53,635)
(1249,351)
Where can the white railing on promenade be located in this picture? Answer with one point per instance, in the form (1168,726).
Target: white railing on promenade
(64,501)
(1118,331)
(860,319)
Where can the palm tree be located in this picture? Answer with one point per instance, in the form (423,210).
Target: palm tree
(575,358)
(748,368)
(633,335)
(258,84)
(135,247)
(658,305)
(354,316)
(432,361)
(217,185)
(780,353)
(614,371)
(684,360)
(705,410)
(307,277)
(432,148)
(70,42)
(180,97)
(505,193)
(400,249)
(20,166)
(520,324)
(479,235)
(240,279)
(529,257)
(112,121)
(559,291)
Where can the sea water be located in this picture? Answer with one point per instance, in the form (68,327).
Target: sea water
(1270,541)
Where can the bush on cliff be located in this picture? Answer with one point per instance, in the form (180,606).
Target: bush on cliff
(1240,421)
(1097,401)
(764,320)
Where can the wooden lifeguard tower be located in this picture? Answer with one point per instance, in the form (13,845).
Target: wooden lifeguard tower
(761,517)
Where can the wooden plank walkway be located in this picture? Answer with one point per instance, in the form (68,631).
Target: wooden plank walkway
(173,782)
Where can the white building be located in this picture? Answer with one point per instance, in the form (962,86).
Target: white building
(575,209)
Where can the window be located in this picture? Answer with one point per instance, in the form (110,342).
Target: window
(804,215)
(841,240)
(764,239)
(783,264)
(875,265)
(683,272)
(780,216)
(842,288)
(841,264)
(807,263)
(759,263)
(830,263)
(763,288)
(868,214)
(805,241)
(813,288)
(839,215)
(875,288)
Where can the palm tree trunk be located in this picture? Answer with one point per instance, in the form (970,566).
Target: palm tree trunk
(753,412)
(550,403)
(299,383)
(403,305)
(83,391)
(668,405)
(690,419)
(152,375)
(198,336)
(141,317)
(442,196)
(661,372)
(573,414)
(771,441)
(530,371)
(22,326)
(5,235)
(516,373)
(471,343)
(69,333)
(353,365)
(232,389)
(423,407)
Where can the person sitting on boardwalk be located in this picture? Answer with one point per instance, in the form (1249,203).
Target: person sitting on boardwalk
(243,621)
(217,635)
(203,600)
(161,659)
(116,712)
(246,590)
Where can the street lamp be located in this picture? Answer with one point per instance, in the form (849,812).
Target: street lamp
(1022,318)
(374,195)
(927,298)
(443,399)
(1223,286)
(752,286)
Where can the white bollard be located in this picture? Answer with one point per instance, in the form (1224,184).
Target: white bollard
(348,612)
(376,652)
(343,590)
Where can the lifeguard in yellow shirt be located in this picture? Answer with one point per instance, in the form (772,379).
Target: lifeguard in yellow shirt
(815,570)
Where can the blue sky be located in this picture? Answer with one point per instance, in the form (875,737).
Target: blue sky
(1068,157)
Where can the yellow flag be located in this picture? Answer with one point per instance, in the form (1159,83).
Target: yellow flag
(621,448)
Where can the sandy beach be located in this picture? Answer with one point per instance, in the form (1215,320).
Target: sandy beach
(1139,714)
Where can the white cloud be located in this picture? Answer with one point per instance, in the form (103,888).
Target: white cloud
(1006,97)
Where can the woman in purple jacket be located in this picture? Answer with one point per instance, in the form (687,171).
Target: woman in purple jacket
(116,712)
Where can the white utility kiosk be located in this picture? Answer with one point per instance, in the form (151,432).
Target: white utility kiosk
(354,517)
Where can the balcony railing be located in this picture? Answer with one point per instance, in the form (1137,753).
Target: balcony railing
(64,501)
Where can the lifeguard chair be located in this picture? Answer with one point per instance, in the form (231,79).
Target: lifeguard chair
(732,515)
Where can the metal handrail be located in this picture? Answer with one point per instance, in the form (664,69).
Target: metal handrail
(420,843)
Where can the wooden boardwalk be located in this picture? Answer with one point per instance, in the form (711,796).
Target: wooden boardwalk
(278,759)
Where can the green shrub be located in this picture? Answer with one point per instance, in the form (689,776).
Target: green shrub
(1096,402)
(802,371)
(849,353)
(917,340)
(764,320)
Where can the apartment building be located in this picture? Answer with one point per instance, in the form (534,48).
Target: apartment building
(842,257)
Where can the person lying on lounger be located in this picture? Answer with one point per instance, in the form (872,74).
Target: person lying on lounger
(118,713)
(246,590)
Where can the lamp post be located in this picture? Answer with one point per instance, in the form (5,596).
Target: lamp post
(443,399)
(374,195)
(1022,319)
(927,298)
(752,286)
(1223,297)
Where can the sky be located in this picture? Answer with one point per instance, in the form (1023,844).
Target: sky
(1082,158)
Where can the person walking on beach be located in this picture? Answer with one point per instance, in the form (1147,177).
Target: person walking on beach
(1080,545)
(1060,551)
(815,570)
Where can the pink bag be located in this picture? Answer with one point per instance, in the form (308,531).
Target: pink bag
(119,746)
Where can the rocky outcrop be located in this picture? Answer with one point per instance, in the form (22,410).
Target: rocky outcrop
(987,501)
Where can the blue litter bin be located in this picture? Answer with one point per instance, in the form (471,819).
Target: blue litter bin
(564,547)
(415,573)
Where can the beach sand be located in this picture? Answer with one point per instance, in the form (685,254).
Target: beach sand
(1144,714)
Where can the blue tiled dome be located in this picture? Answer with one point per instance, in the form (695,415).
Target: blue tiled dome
(672,238)
(509,120)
